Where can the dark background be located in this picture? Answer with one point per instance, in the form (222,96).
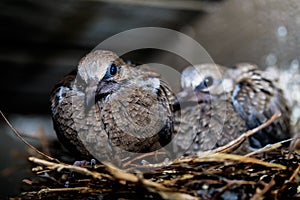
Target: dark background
(40,41)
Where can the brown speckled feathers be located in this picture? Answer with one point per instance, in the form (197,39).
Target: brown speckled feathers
(229,102)
(107,108)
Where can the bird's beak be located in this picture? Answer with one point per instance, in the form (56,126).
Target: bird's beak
(105,87)
(187,95)
(190,96)
(200,87)
(97,90)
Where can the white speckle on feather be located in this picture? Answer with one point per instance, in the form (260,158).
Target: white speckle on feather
(152,83)
(60,92)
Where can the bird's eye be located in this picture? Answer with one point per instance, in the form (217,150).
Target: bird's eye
(208,81)
(113,69)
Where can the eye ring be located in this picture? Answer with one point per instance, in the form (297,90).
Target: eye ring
(113,69)
(208,81)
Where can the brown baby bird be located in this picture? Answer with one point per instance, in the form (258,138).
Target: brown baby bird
(107,108)
(229,101)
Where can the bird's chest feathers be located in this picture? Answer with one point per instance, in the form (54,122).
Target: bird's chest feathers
(136,103)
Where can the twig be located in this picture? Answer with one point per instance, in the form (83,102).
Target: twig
(143,156)
(218,157)
(81,189)
(24,141)
(231,183)
(269,147)
(60,166)
(165,192)
(123,175)
(157,165)
(237,142)
(117,174)
(49,190)
(267,186)
(295,173)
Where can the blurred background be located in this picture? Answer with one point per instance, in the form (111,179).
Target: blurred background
(43,40)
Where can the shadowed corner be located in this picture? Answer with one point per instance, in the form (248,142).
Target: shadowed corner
(15,168)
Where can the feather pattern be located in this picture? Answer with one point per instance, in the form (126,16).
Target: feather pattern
(107,108)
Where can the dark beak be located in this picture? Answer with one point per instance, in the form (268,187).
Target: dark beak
(97,90)
(200,87)
(105,87)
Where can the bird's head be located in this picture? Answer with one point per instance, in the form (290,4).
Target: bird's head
(206,78)
(101,73)
(201,82)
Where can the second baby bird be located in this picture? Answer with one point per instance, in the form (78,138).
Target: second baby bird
(229,101)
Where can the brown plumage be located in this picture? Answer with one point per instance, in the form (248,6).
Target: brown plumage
(107,108)
(231,101)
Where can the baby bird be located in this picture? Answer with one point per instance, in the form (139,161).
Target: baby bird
(205,123)
(231,101)
(107,108)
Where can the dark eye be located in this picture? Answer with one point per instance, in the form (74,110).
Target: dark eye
(113,69)
(208,81)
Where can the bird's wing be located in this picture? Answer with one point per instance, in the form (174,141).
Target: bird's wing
(63,107)
(256,99)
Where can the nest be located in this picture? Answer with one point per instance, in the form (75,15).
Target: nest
(273,174)
(268,173)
